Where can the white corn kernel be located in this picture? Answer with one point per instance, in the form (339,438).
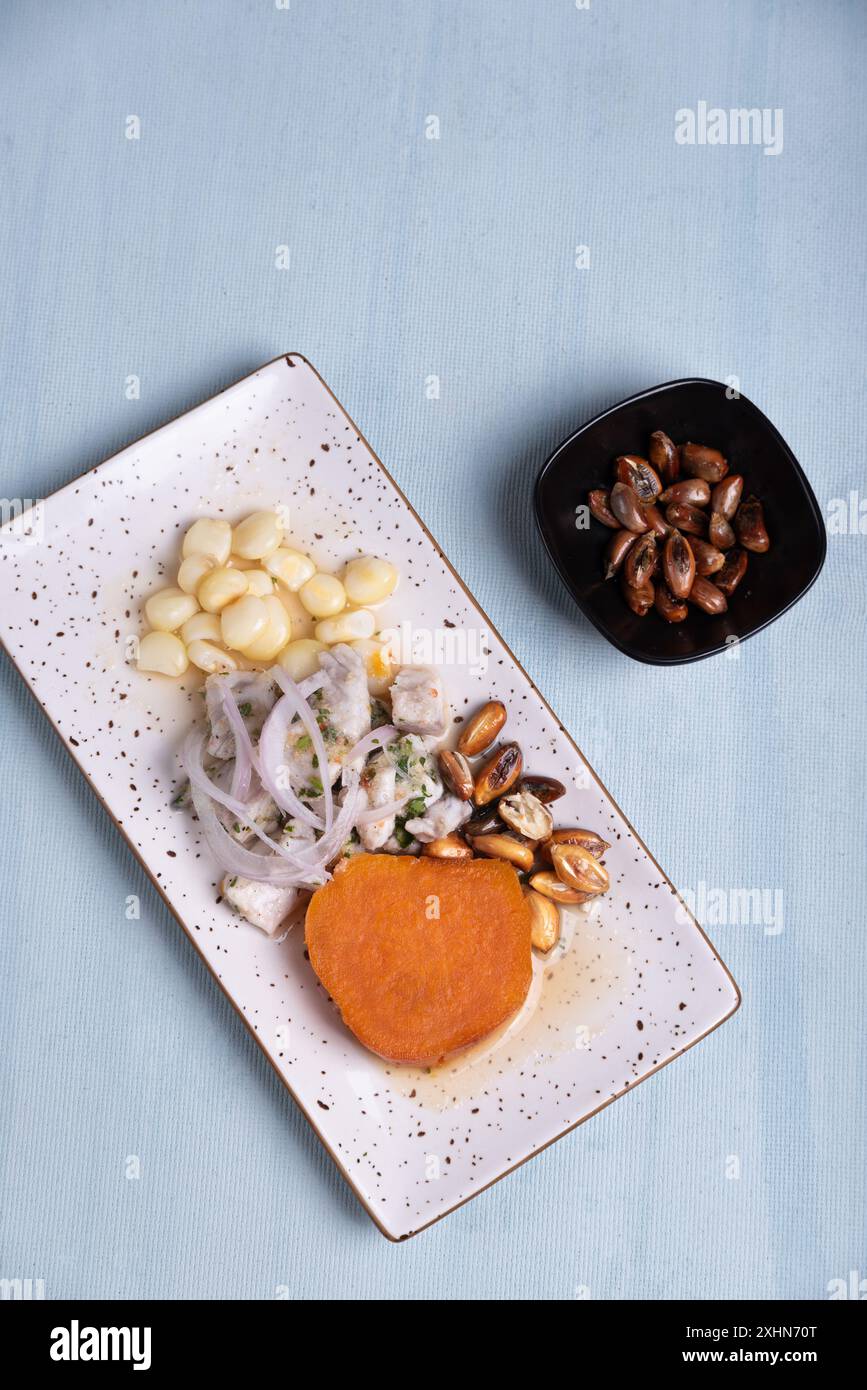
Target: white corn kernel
(193,571)
(202,627)
(346,627)
(276,634)
(243,621)
(369,580)
(323,596)
(208,536)
(300,619)
(162,653)
(235,562)
(220,587)
(380,671)
(169,609)
(301,658)
(209,657)
(257,536)
(291,567)
(259,583)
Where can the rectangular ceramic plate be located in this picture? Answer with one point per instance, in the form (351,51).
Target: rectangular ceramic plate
(412,1145)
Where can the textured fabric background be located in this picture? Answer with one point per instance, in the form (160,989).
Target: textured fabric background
(411,258)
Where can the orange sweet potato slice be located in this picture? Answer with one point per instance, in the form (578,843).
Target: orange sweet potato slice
(421,956)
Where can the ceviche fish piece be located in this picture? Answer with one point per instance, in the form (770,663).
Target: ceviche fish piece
(444,816)
(418,701)
(402,775)
(418,783)
(415,767)
(344,695)
(262,811)
(303,768)
(254,694)
(264,905)
(267,905)
(378,789)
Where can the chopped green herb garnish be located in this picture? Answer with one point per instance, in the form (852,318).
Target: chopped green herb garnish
(415,807)
(402,836)
(246,709)
(303,743)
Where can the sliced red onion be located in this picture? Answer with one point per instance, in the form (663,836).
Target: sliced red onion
(301,861)
(245,756)
(332,841)
(280,868)
(234,858)
(194,765)
(308,687)
(233,678)
(272,757)
(377,738)
(378,813)
(293,694)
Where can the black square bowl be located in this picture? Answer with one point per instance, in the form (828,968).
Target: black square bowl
(697,410)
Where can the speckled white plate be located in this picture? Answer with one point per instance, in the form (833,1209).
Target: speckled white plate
(631,986)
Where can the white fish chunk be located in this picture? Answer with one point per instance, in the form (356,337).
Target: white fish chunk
(418,701)
(378,790)
(302,764)
(297,834)
(264,905)
(267,905)
(416,768)
(406,770)
(261,811)
(417,782)
(444,816)
(344,698)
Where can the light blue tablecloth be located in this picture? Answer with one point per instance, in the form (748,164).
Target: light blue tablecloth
(411,258)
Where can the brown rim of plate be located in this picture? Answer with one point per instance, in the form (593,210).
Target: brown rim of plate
(290,359)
